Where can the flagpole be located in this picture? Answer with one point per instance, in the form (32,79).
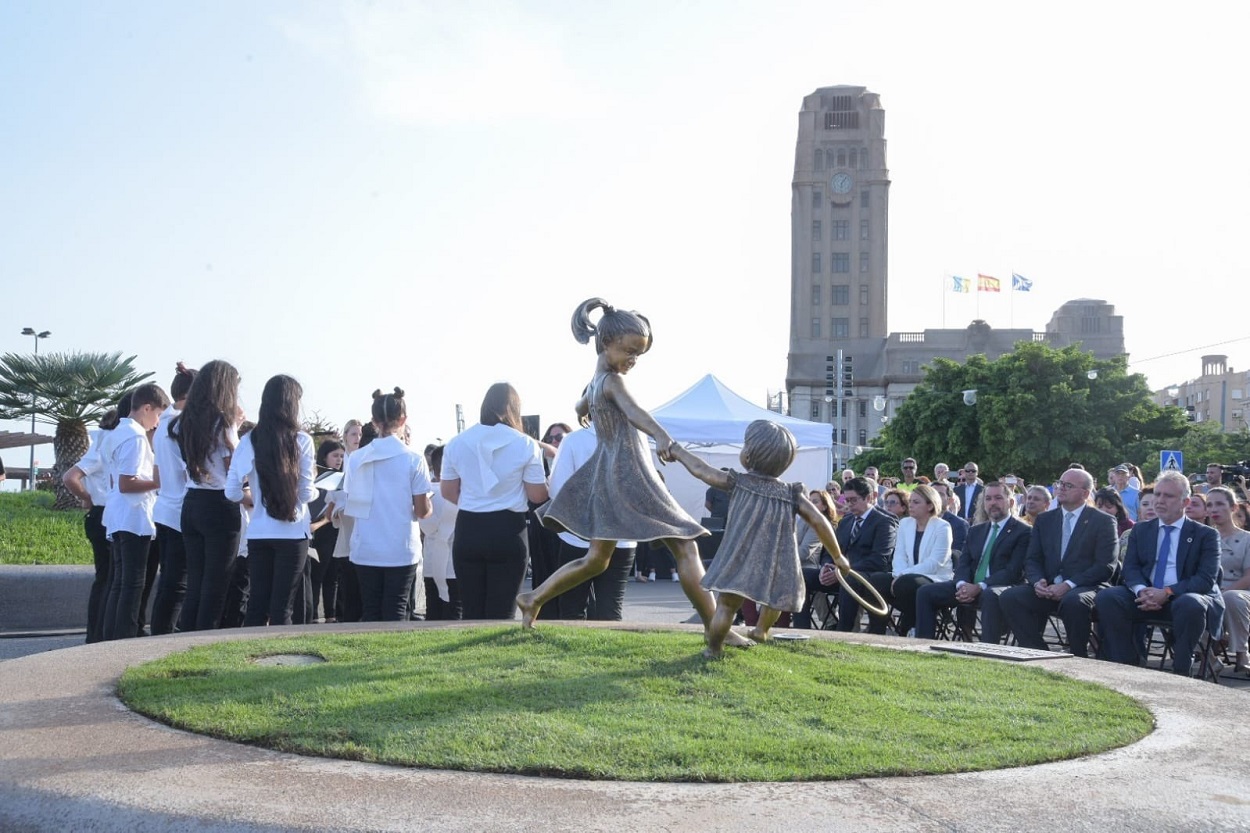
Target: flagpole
(944,291)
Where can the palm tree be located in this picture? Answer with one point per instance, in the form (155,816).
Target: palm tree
(68,390)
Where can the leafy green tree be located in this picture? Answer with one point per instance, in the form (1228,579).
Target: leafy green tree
(1036,410)
(70,391)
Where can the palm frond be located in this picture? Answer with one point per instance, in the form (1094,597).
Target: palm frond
(65,386)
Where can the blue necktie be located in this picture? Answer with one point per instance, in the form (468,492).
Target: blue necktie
(1165,552)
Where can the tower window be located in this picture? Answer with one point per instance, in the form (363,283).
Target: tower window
(841,229)
(815,294)
(815,263)
(819,162)
(841,262)
(840,294)
(854,158)
(863,328)
(841,158)
(863,295)
(863,199)
(863,229)
(817,197)
(815,229)
(815,327)
(841,328)
(863,262)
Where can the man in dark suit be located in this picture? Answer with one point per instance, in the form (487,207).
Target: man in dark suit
(969,491)
(866,536)
(1170,571)
(992,562)
(1072,555)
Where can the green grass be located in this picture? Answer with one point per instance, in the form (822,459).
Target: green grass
(607,704)
(32,532)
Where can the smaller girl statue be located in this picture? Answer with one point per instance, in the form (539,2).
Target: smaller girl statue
(617,495)
(758,558)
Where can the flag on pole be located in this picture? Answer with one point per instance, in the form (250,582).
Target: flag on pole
(1019,283)
(959,284)
(987,284)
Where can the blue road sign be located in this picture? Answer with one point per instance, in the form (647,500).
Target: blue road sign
(1171,461)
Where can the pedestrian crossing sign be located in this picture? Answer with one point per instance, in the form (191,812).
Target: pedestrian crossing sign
(1171,461)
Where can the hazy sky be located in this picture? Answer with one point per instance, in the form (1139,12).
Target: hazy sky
(374,194)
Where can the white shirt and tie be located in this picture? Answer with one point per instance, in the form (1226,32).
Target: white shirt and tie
(1165,556)
(1070,518)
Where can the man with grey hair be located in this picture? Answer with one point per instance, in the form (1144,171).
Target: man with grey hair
(1170,569)
(1072,555)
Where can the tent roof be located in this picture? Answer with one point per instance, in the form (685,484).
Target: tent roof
(709,412)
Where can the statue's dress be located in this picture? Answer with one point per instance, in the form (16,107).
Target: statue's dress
(617,495)
(758,557)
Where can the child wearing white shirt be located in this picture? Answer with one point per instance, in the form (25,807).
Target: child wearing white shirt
(128,509)
(388,490)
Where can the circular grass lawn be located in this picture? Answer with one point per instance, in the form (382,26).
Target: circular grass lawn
(628,705)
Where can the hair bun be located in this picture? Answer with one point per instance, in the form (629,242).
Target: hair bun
(399,392)
(181,368)
(377,394)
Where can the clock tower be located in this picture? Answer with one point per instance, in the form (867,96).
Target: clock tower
(838,267)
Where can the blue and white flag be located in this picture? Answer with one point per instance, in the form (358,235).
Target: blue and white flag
(959,284)
(1019,283)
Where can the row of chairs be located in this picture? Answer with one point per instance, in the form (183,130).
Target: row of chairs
(960,624)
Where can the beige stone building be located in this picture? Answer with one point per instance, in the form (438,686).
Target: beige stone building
(839,282)
(1218,395)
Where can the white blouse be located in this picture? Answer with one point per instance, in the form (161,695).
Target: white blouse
(129,454)
(262,525)
(493,463)
(168,509)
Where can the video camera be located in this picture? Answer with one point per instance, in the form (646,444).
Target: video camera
(1241,469)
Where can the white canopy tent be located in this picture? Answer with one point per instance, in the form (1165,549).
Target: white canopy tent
(710,420)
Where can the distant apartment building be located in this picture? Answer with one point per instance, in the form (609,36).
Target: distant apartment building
(1218,395)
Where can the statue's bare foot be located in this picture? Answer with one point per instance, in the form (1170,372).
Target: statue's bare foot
(708,653)
(758,635)
(529,610)
(736,640)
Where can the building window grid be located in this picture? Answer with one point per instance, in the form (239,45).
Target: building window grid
(863,199)
(840,294)
(863,328)
(817,198)
(840,230)
(863,295)
(815,263)
(863,229)
(863,262)
(815,326)
(840,328)
(815,294)
(840,263)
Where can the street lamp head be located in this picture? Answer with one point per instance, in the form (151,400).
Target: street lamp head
(1091,375)
(878,403)
(44,334)
(970,397)
(28,331)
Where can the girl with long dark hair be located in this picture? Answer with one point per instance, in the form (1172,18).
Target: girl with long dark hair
(276,463)
(167,514)
(207,433)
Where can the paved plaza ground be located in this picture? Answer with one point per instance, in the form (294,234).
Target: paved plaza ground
(74,759)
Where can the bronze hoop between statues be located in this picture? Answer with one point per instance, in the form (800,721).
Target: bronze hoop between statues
(881,609)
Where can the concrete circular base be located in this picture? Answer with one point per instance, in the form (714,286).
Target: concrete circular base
(72,757)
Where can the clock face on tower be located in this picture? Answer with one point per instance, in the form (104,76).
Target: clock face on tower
(841,183)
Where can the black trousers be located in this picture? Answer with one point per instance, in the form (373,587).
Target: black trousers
(384,592)
(130,564)
(904,593)
(325,571)
(275,571)
(435,608)
(489,552)
(1026,614)
(210,533)
(171,587)
(102,552)
(601,598)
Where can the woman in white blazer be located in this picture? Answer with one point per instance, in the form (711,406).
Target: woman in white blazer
(922,552)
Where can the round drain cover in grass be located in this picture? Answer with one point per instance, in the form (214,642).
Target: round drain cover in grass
(616,704)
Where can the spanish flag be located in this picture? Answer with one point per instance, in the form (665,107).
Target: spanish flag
(987,284)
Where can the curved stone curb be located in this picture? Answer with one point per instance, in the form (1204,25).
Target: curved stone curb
(73,758)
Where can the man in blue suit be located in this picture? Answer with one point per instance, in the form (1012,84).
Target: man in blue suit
(1170,573)
(866,536)
(1072,555)
(968,492)
(992,562)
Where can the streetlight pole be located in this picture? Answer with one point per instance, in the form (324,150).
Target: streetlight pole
(30,331)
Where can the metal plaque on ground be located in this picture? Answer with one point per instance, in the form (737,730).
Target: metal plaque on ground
(1011,652)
